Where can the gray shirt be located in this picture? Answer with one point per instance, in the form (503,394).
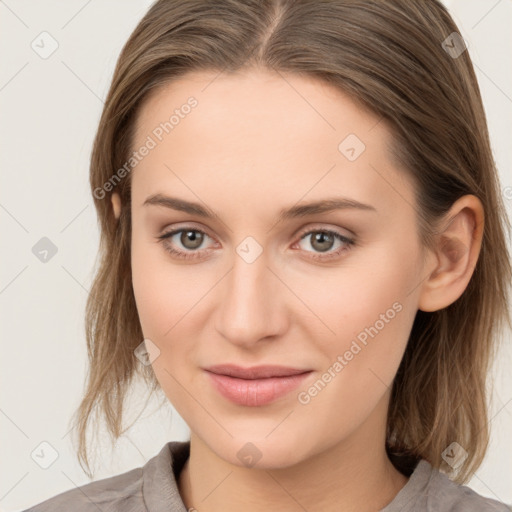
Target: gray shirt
(153,488)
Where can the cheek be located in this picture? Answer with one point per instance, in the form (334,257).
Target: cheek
(152,289)
(370,308)
(164,293)
(371,315)
(164,298)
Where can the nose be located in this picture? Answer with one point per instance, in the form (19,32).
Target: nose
(251,305)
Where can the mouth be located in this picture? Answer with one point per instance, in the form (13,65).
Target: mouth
(255,386)
(255,372)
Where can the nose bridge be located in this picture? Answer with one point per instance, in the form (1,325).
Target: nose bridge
(250,303)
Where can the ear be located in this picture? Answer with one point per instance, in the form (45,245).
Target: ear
(458,243)
(116,204)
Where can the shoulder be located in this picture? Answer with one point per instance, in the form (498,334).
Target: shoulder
(152,487)
(460,498)
(118,493)
(442,494)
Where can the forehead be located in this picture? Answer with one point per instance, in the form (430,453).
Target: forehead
(258,103)
(262,134)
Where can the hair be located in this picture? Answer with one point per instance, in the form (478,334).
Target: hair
(388,56)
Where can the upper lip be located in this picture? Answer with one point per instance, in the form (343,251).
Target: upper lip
(254,372)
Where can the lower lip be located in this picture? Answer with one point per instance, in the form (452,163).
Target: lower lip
(255,392)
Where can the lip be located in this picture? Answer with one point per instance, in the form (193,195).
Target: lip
(255,386)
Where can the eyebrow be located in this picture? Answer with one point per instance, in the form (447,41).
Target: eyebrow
(296,211)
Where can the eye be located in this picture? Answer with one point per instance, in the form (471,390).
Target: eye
(190,238)
(323,240)
(193,238)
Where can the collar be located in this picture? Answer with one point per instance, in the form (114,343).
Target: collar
(160,478)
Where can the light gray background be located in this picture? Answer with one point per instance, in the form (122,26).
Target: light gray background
(50,110)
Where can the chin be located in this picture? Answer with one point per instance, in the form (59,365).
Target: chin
(260,452)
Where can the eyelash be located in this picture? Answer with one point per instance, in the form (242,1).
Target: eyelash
(316,256)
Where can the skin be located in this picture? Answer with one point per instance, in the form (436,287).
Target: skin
(256,143)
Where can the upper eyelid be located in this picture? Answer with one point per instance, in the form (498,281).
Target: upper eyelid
(178,229)
(315,228)
(299,234)
(319,226)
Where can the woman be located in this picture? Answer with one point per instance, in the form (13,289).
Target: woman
(237,140)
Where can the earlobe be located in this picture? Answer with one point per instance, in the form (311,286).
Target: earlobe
(457,248)
(116,204)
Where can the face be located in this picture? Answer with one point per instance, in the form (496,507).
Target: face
(330,293)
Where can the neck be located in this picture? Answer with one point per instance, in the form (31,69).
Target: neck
(353,475)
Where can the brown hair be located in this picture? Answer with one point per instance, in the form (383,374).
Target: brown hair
(389,56)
